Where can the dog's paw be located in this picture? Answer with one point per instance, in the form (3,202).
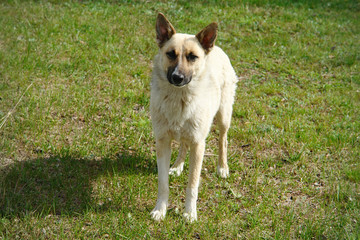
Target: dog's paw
(190,216)
(158,214)
(176,171)
(223,172)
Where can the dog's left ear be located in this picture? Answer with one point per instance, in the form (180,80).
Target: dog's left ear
(207,36)
(164,30)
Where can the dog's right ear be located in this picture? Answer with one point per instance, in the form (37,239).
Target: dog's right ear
(164,30)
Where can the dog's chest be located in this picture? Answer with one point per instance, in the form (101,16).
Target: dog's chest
(181,114)
(178,108)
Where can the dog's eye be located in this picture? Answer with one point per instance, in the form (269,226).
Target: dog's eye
(191,57)
(171,55)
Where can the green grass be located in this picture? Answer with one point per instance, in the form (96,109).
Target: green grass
(77,157)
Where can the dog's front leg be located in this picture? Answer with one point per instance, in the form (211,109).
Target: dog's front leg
(196,158)
(163,155)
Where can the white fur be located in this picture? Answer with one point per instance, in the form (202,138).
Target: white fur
(186,114)
(176,171)
(190,204)
(222,172)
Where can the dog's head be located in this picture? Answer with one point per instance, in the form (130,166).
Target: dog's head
(183,56)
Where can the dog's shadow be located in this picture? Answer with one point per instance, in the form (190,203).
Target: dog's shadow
(61,184)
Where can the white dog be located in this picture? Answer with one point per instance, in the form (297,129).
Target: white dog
(192,82)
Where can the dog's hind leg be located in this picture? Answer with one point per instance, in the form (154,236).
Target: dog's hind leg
(163,155)
(224,119)
(178,166)
(222,168)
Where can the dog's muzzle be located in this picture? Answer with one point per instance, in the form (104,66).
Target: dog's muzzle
(176,78)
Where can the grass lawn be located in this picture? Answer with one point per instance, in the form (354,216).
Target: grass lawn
(77,157)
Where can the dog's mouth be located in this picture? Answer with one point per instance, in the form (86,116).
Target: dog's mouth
(176,78)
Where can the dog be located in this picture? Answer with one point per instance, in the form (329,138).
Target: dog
(192,83)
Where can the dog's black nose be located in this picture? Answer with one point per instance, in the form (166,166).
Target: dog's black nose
(178,78)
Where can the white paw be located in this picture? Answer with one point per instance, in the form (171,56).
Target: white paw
(190,216)
(176,171)
(223,172)
(158,214)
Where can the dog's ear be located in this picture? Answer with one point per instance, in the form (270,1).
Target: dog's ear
(207,36)
(164,30)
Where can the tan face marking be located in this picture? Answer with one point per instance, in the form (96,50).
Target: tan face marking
(182,56)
